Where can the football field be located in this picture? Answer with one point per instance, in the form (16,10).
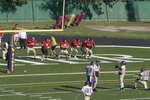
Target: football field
(61,79)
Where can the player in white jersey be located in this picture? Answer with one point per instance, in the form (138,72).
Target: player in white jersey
(87,91)
(96,67)
(89,71)
(121,72)
(143,78)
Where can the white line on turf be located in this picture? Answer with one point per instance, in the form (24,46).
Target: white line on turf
(148,98)
(15,64)
(108,46)
(57,60)
(26,61)
(123,46)
(31,95)
(45,97)
(61,82)
(35,63)
(65,61)
(53,74)
(113,59)
(45,74)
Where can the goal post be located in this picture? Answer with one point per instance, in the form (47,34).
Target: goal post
(42,30)
(11,49)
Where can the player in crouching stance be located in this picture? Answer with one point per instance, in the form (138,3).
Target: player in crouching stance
(89,46)
(121,68)
(64,45)
(44,48)
(73,47)
(143,78)
(31,43)
(87,91)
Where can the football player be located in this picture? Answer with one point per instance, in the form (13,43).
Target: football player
(91,76)
(89,46)
(121,72)
(31,43)
(64,45)
(53,45)
(73,47)
(96,67)
(44,48)
(87,91)
(143,78)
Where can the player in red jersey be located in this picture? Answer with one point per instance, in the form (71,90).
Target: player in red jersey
(73,47)
(84,48)
(64,45)
(90,45)
(30,46)
(44,48)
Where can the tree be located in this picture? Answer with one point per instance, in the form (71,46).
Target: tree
(7,6)
(55,7)
(10,5)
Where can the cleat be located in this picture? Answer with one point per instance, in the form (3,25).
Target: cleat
(121,89)
(94,90)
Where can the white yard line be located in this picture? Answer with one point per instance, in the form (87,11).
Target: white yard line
(107,46)
(120,46)
(57,60)
(148,98)
(113,59)
(53,74)
(60,82)
(31,95)
(44,74)
(26,61)
(15,64)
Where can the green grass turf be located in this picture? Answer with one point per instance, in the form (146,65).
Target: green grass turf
(82,30)
(67,87)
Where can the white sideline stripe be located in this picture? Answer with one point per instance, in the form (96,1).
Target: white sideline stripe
(114,59)
(26,61)
(30,94)
(47,64)
(108,46)
(65,61)
(123,46)
(32,64)
(148,98)
(53,74)
(46,74)
(61,82)
(139,59)
(57,60)
(15,64)
(45,97)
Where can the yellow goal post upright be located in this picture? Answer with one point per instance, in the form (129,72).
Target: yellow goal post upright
(41,30)
(35,30)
